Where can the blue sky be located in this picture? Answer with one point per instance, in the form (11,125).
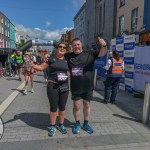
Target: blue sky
(46,19)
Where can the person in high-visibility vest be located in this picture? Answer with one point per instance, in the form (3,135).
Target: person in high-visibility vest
(114,70)
(13,62)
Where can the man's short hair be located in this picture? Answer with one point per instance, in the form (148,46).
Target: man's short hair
(76,39)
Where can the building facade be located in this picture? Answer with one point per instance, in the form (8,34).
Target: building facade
(21,38)
(12,36)
(79,24)
(99,21)
(7,32)
(2,42)
(144,37)
(129,16)
(105,16)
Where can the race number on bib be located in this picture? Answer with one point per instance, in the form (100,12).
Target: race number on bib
(77,71)
(62,76)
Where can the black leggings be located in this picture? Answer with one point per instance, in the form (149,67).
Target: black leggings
(56,99)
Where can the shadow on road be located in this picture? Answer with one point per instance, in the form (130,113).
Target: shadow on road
(39,81)
(127,118)
(37,120)
(19,90)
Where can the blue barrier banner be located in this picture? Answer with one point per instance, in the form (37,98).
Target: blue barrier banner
(119,40)
(122,80)
(129,61)
(121,53)
(128,88)
(113,47)
(129,46)
(129,75)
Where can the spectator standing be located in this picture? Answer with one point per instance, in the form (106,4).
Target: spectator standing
(114,70)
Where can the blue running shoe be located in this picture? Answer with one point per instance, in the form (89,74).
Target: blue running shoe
(76,128)
(87,128)
(52,131)
(62,129)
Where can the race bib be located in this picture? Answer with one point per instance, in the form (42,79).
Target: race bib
(77,71)
(18,61)
(62,76)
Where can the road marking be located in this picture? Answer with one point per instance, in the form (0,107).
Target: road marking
(5,104)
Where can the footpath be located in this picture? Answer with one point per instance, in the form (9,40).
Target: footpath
(117,127)
(10,87)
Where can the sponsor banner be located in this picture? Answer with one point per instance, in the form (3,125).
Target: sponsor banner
(129,53)
(129,61)
(129,82)
(129,68)
(120,47)
(99,63)
(128,89)
(42,42)
(113,42)
(122,86)
(122,80)
(119,40)
(129,38)
(113,47)
(129,75)
(121,54)
(141,67)
(129,46)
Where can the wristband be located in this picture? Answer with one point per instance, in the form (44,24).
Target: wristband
(104,45)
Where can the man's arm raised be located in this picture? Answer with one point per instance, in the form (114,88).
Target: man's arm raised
(104,48)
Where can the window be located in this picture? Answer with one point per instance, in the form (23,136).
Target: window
(2,20)
(121,24)
(134,19)
(5,32)
(2,30)
(122,3)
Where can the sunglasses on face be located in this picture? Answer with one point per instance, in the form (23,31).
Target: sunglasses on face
(64,47)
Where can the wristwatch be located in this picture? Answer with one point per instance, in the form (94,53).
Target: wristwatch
(104,45)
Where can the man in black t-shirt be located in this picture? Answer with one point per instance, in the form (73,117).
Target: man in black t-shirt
(81,65)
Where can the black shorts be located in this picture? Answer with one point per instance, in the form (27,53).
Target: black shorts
(13,67)
(86,96)
(18,66)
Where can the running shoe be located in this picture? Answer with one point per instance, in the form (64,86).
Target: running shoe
(20,79)
(25,92)
(32,91)
(87,128)
(62,129)
(76,128)
(52,131)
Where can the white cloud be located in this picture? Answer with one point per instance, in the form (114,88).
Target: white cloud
(42,34)
(48,23)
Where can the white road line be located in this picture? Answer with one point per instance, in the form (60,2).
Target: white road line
(5,104)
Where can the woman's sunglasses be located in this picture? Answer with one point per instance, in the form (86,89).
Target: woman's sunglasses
(64,47)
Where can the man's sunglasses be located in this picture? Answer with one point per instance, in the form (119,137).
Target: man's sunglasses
(64,47)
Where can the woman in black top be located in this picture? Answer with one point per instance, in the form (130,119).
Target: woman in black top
(57,87)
